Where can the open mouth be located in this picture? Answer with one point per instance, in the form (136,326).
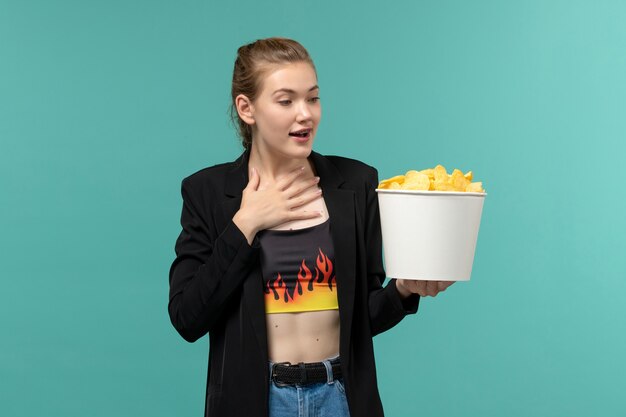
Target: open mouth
(301,133)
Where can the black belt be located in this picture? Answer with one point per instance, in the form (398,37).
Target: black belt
(284,373)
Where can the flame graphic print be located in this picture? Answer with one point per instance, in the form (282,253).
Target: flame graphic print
(309,291)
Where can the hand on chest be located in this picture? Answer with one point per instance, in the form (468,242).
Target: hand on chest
(317,204)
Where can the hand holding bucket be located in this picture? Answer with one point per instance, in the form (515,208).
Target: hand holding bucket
(407,287)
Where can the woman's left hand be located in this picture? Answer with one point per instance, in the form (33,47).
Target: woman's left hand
(407,287)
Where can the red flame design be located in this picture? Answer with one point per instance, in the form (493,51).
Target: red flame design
(325,265)
(289,292)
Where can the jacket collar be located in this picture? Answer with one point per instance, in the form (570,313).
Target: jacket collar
(237,178)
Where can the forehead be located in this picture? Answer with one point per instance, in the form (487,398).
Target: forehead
(299,77)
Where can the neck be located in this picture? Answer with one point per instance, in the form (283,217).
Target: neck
(271,166)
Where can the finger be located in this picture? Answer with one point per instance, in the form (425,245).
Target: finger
(401,284)
(420,287)
(304,214)
(253,182)
(431,288)
(303,199)
(286,181)
(293,190)
(412,285)
(443,285)
(409,285)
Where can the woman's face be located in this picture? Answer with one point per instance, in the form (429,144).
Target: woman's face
(288,103)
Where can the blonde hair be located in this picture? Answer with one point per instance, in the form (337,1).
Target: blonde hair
(253,61)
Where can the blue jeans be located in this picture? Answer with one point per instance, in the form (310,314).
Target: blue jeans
(323,399)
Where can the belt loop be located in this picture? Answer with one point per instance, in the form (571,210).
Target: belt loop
(303,374)
(329,372)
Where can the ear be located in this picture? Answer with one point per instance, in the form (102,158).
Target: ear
(245,109)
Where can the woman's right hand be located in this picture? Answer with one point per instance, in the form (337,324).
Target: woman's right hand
(277,203)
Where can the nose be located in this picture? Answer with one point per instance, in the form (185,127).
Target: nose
(304,113)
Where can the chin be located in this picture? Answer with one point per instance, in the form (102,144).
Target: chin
(301,150)
(304,151)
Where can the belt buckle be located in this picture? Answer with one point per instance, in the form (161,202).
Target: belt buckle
(280,384)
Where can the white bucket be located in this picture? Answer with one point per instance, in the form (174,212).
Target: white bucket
(429,235)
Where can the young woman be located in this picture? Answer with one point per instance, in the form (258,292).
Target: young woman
(280,257)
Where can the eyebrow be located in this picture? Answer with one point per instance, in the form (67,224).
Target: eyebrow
(288,90)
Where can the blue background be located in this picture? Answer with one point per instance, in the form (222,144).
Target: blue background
(106,105)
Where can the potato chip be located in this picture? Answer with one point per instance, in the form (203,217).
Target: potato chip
(433,179)
(445,186)
(418,181)
(458,180)
(440,173)
(475,187)
(397,178)
(430,172)
(410,174)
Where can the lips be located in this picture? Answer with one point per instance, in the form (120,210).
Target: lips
(302,133)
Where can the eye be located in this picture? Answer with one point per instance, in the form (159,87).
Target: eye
(285,102)
(315,99)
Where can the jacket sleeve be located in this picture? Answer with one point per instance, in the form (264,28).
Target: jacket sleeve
(386,306)
(209,268)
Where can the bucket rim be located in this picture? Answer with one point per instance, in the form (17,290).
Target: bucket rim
(432,193)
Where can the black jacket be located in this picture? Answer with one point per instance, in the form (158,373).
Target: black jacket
(216,284)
